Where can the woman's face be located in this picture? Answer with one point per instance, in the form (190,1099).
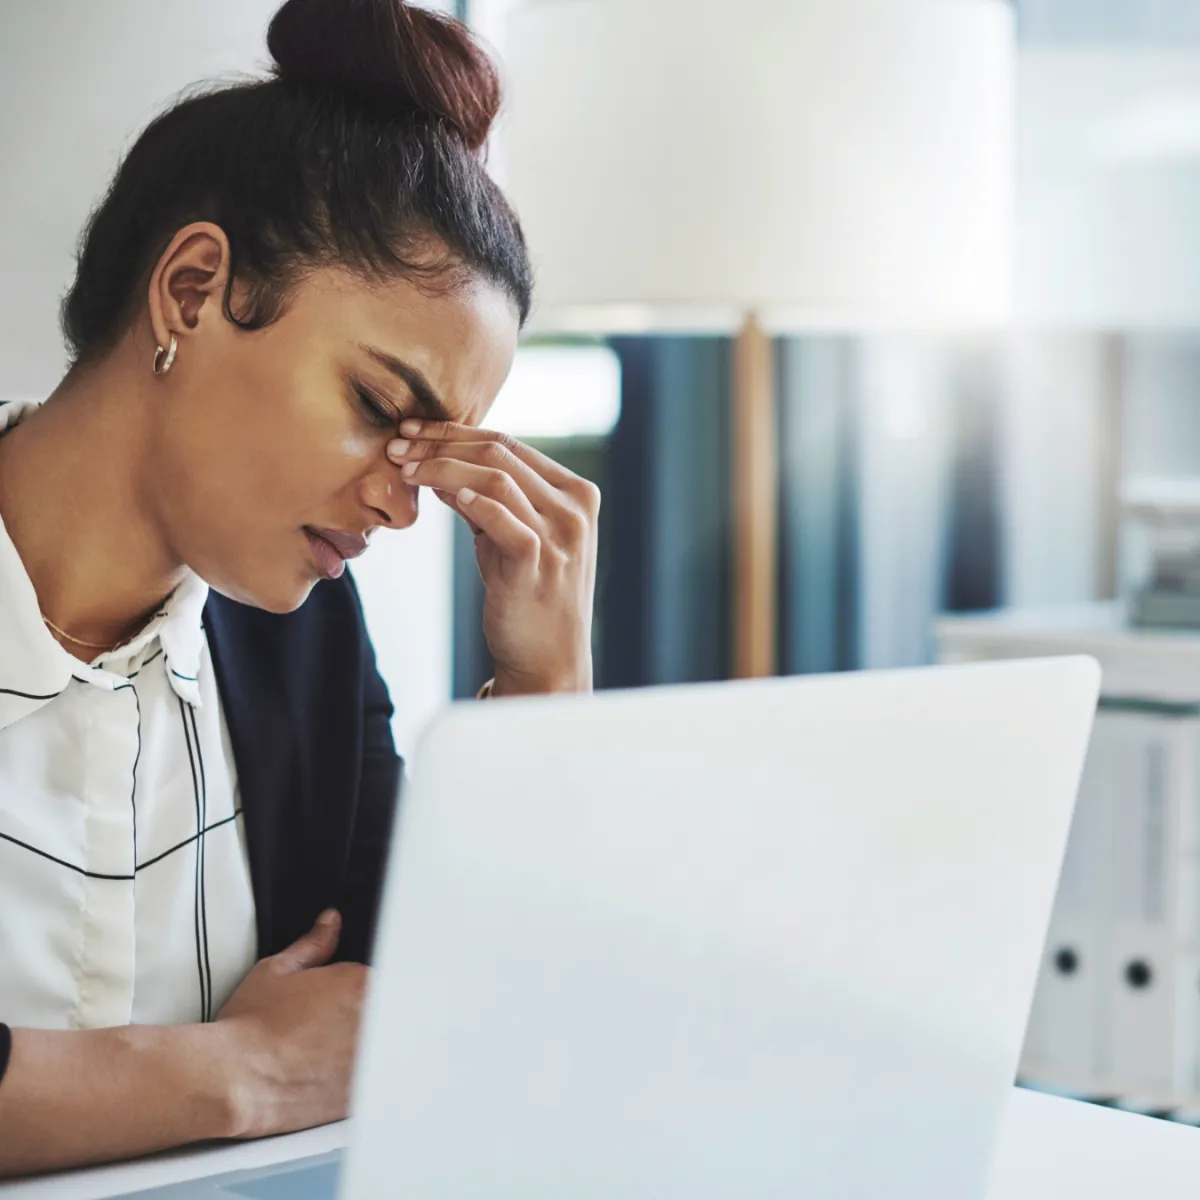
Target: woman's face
(267,436)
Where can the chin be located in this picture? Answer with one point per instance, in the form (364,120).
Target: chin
(286,600)
(273,596)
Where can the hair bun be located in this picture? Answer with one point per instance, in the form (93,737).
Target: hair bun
(391,55)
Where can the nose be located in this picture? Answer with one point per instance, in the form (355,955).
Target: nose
(395,503)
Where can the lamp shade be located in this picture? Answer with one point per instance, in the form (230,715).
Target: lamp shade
(826,163)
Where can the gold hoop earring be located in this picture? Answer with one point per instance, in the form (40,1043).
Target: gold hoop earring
(163,365)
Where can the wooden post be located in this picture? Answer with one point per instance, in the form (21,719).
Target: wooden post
(755,504)
(1108,509)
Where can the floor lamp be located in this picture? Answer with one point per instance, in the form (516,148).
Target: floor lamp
(767,167)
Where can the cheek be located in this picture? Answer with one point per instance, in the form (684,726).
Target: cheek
(293,475)
(318,433)
(353,450)
(264,444)
(322,459)
(291,439)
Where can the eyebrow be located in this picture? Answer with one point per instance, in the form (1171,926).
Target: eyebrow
(427,399)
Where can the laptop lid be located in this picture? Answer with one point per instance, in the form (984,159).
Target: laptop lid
(770,939)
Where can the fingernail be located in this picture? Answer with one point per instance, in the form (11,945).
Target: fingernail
(410,427)
(327,918)
(410,468)
(465,496)
(399,448)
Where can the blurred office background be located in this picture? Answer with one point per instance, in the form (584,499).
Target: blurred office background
(920,474)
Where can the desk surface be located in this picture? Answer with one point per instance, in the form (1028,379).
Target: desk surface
(1049,1149)
(119,1179)
(1053,1149)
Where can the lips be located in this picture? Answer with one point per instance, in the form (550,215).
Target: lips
(331,548)
(348,545)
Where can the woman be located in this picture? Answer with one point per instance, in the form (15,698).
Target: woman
(292,312)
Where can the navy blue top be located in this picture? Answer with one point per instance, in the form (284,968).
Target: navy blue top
(309,718)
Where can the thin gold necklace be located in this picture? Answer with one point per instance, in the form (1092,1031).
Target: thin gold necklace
(79,641)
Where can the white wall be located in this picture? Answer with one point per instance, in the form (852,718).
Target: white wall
(78,80)
(1108,188)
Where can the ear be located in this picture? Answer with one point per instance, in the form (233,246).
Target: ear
(189,281)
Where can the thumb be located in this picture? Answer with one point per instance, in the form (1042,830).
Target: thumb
(316,947)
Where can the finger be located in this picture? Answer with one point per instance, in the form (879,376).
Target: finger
(316,947)
(497,523)
(449,432)
(496,455)
(451,475)
(450,500)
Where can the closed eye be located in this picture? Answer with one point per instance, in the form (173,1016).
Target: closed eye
(377,410)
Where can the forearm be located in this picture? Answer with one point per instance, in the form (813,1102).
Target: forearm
(77,1097)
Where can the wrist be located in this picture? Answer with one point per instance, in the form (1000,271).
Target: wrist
(192,1073)
(241,1082)
(517,683)
(200,1067)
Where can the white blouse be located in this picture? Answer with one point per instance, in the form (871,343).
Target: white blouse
(124,881)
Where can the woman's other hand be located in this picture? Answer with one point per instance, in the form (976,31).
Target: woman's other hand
(291,1030)
(535,539)
(278,1058)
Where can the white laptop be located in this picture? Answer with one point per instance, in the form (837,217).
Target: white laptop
(772,939)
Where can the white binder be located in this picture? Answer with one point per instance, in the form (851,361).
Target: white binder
(1150,983)
(1151,977)
(1065,1043)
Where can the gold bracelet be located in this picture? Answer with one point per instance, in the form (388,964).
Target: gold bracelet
(485,692)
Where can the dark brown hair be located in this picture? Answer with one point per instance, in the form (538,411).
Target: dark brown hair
(363,150)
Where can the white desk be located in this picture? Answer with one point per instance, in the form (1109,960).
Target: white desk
(1054,1149)
(1049,1150)
(118,1179)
